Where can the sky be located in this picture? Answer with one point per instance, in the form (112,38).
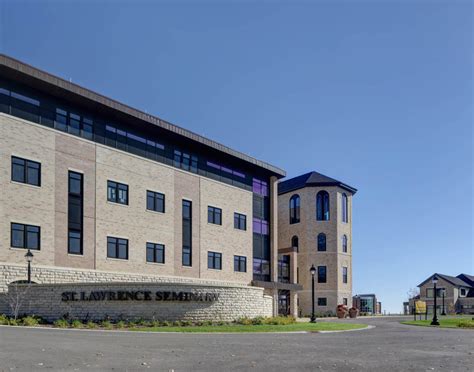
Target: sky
(377,94)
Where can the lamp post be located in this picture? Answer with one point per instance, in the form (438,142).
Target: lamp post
(29,257)
(435,317)
(312,271)
(444,311)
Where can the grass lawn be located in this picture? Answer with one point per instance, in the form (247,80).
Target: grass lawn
(309,327)
(445,323)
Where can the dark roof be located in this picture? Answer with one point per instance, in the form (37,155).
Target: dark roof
(467,278)
(311,179)
(18,70)
(451,279)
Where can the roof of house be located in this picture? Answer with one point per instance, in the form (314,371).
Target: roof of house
(451,279)
(467,278)
(311,179)
(43,80)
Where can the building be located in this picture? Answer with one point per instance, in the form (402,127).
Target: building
(367,303)
(458,294)
(91,186)
(315,228)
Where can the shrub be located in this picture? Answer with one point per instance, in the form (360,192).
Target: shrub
(221,323)
(120,324)
(207,323)
(13,322)
(155,323)
(29,321)
(279,320)
(258,320)
(4,320)
(106,324)
(466,323)
(76,323)
(91,325)
(165,323)
(177,323)
(244,321)
(61,323)
(186,323)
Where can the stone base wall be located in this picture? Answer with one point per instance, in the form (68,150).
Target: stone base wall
(153,301)
(235,300)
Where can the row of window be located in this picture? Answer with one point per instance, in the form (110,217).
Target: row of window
(321,242)
(47,111)
(322,207)
(322,274)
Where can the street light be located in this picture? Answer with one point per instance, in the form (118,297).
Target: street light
(29,257)
(435,317)
(312,271)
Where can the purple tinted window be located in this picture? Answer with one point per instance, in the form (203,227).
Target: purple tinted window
(264,227)
(260,187)
(226,170)
(238,174)
(213,165)
(260,226)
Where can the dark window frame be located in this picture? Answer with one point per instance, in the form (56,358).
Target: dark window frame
(322,278)
(240,221)
(322,242)
(117,187)
(240,264)
(75,199)
(117,243)
(345,274)
(27,165)
(214,215)
(187,223)
(295,209)
(156,248)
(214,260)
(323,206)
(344,242)
(322,301)
(156,197)
(25,237)
(345,208)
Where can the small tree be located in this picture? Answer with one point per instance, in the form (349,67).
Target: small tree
(413,292)
(16,296)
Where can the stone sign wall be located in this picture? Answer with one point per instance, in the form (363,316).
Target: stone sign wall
(144,300)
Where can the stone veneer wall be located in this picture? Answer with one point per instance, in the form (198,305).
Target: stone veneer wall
(233,302)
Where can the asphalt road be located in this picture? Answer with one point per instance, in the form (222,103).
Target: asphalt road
(388,347)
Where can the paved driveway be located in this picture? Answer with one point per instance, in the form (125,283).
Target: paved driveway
(388,347)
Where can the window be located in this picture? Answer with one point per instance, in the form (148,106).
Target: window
(344,243)
(187,233)
(294,209)
(322,206)
(214,215)
(261,269)
(185,161)
(322,301)
(75,212)
(322,274)
(240,221)
(260,226)
(344,274)
(295,243)
(344,301)
(117,192)
(462,292)
(260,187)
(240,264)
(439,292)
(284,268)
(25,236)
(155,201)
(345,209)
(155,253)
(117,248)
(214,260)
(26,171)
(321,242)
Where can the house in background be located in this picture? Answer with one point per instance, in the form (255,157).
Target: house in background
(458,293)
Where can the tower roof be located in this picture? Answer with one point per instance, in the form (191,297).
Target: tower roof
(311,179)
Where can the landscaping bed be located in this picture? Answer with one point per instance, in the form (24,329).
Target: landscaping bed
(466,323)
(260,324)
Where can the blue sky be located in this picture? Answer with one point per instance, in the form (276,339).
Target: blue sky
(377,94)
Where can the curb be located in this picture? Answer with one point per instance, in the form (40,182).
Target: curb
(349,330)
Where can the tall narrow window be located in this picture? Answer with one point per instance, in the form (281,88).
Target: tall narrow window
(344,243)
(322,274)
(344,274)
(295,243)
(26,171)
(294,209)
(321,242)
(345,209)
(240,221)
(75,213)
(240,264)
(322,206)
(187,233)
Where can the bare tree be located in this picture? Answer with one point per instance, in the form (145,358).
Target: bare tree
(16,296)
(413,292)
